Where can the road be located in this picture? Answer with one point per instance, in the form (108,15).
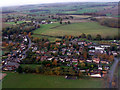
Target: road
(112,70)
(29,45)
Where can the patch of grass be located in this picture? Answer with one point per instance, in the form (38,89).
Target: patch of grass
(44,28)
(15,80)
(51,39)
(18,22)
(4,25)
(76,29)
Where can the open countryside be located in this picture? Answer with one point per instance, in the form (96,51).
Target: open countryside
(76,29)
(60,45)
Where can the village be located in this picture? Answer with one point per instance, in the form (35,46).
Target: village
(60,45)
(85,57)
(70,56)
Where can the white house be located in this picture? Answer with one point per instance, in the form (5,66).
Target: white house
(99,48)
(96,75)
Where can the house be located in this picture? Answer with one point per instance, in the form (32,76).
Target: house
(81,60)
(105,46)
(43,22)
(78,52)
(99,48)
(58,43)
(90,61)
(68,59)
(75,60)
(43,58)
(61,59)
(80,42)
(49,59)
(106,67)
(96,75)
(11,66)
(96,60)
(68,53)
(114,53)
(104,62)
(104,72)
(82,71)
(5,37)
(64,44)
(53,51)
(38,52)
(25,39)
(99,68)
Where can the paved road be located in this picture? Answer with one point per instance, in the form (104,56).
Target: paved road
(112,70)
(29,45)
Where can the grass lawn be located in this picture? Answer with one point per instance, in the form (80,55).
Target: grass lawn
(14,80)
(76,29)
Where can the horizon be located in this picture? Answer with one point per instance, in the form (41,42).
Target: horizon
(30,2)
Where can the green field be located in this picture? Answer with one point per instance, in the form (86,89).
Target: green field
(52,39)
(14,80)
(76,29)
(18,22)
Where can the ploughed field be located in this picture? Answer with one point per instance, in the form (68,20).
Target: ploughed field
(15,80)
(76,29)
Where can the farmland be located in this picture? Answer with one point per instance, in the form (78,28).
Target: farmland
(46,81)
(67,8)
(76,29)
(52,39)
(59,45)
(5,25)
(18,22)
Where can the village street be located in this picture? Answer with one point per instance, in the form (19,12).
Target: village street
(29,45)
(112,70)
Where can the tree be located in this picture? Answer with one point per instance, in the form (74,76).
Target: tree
(92,66)
(27,69)
(111,58)
(85,54)
(71,71)
(82,65)
(37,69)
(54,62)
(83,35)
(80,74)
(60,22)
(89,37)
(19,69)
(98,37)
(25,33)
(45,63)
(38,26)
(15,22)
(29,34)
(69,22)
(40,69)
(71,17)
(57,70)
